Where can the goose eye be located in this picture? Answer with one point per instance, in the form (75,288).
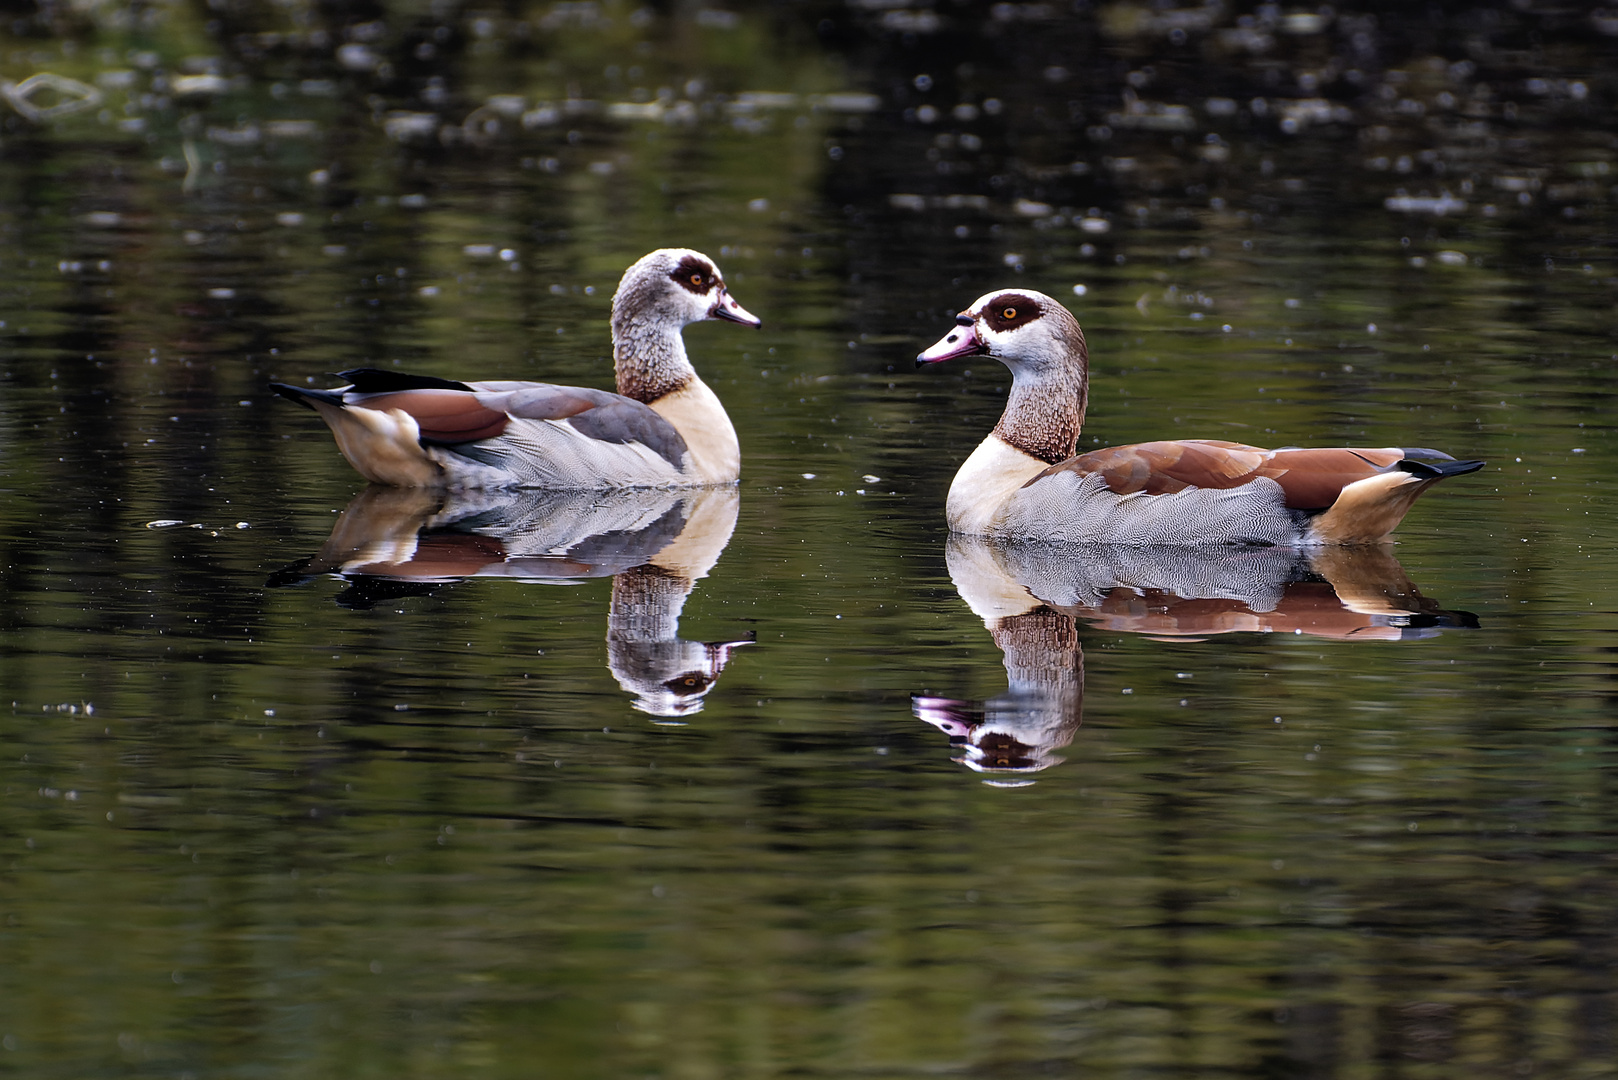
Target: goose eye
(696,279)
(1009,314)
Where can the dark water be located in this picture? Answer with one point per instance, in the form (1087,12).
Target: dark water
(305,779)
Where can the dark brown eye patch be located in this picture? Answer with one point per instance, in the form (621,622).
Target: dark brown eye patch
(695,274)
(1010,310)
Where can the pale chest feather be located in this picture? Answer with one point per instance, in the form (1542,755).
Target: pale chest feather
(695,412)
(985,483)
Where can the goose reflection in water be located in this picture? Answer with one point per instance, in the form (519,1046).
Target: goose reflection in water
(1032,598)
(655,544)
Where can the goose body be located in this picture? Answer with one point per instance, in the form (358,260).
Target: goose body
(1025,482)
(663,427)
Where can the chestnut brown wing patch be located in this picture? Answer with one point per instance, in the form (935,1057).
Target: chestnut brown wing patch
(1162,468)
(454,417)
(444,416)
(1314,477)
(1310,478)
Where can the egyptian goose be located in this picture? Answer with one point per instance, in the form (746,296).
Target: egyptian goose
(663,428)
(1024,481)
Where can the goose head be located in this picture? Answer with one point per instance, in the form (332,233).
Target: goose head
(1042,344)
(674,287)
(1025,330)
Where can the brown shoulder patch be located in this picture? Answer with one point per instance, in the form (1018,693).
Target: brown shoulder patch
(695,274)
(1011,310)
(444,416)
(1162,468)
(1313,477)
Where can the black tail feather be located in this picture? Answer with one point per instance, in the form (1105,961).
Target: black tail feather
(1437,470)
(308,395)
(367,380)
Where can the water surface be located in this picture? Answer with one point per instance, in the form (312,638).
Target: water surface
(303,778)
